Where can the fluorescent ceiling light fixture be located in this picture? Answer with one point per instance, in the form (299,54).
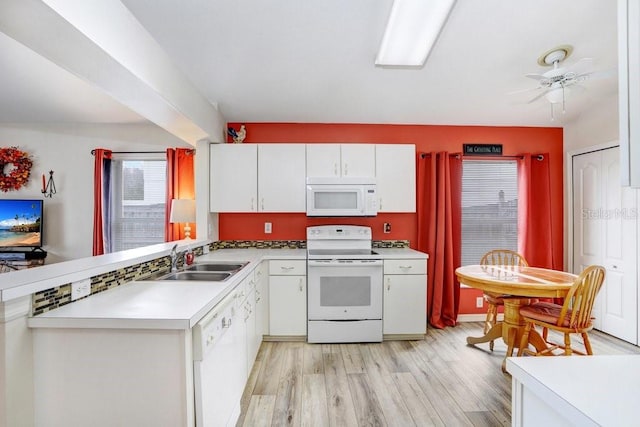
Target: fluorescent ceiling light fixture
(412,30)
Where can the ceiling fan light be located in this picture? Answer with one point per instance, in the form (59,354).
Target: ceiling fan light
(555,96)
(412,30)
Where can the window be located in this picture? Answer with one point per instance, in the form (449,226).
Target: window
(138,200)
(489,207)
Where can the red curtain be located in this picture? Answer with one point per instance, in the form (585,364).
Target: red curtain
(101,171)
(439,232)
(535,231)
(180,185)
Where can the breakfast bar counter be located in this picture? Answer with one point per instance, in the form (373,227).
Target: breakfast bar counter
(575,391)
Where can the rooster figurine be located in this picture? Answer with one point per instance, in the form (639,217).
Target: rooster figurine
(237,136)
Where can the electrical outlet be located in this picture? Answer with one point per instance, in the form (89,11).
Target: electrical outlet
(479,302)
(267,227)
(387,227)
(80,289)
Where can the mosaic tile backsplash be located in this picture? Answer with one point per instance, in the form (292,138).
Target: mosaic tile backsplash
(49,299)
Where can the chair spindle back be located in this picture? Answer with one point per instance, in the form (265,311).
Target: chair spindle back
(504,257)
(582,296)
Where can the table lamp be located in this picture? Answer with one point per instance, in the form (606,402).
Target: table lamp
(183,211)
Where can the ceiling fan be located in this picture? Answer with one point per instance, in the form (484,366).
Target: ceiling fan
(554,84)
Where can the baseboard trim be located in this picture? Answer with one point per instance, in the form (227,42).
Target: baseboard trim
(476,317)
(403,337)
(276,338)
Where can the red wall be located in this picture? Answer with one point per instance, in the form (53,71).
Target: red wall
(515,140)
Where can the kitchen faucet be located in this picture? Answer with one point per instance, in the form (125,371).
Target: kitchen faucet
(174,258)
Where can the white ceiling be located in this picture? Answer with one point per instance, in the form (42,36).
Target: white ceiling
(313,61)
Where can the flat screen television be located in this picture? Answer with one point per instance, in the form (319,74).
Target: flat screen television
(20,223)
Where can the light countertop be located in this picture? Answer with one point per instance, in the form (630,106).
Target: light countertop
(174,304)
(587,390)
(400,253)
(22,283)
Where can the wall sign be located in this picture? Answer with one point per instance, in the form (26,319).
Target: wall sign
(482,149)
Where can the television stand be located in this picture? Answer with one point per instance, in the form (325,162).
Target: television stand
(19,259)
(22,254)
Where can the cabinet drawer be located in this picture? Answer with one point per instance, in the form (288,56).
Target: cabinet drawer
(288,267)
(405,266)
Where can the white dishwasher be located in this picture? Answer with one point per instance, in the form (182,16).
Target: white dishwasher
(219,372)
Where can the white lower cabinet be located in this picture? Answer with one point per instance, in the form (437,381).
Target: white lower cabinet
(405,297)
(287,298)
(109,377)
(254,336)
(149,376)
(106,377)
(262,299)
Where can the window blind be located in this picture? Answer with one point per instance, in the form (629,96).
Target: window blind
(489,207)
(138,203)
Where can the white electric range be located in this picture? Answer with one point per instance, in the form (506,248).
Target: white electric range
(344,291)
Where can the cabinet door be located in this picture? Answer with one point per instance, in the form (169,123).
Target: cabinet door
(262,300)
(358,160)
(323,160)
(405,304)
(396,177)
(331,160)
(281,178)
(287,305)
(253,344)
(233,172)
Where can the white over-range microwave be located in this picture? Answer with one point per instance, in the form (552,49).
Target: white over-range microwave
(346,196)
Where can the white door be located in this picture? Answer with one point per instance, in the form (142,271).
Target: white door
(334,160)
(605,233)
(323,160)
(587,226)
(287,305)
(396,177)
(405,304)
(618,297)
(233,178)
(358,160)
(281,178)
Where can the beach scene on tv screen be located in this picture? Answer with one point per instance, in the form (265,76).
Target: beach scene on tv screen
(20,223)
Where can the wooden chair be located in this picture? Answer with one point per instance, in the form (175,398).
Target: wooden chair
(573,317)
(498,257)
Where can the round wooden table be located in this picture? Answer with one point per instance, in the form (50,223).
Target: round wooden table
(521,284)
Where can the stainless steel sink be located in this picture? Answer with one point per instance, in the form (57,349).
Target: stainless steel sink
(203,276)
(216,266)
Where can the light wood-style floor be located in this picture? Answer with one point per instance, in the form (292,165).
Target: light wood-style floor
(438,381)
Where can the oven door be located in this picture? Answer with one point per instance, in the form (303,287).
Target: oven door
(344,289)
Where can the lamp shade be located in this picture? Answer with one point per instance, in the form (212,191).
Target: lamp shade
(182,210)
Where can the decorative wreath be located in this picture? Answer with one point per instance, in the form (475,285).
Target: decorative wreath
(16,177)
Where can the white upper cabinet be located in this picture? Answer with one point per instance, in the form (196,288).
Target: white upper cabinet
(271,177)
(233,177)
(257,178)
(396,177)
(335,160)
(629,90)
(281,178)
